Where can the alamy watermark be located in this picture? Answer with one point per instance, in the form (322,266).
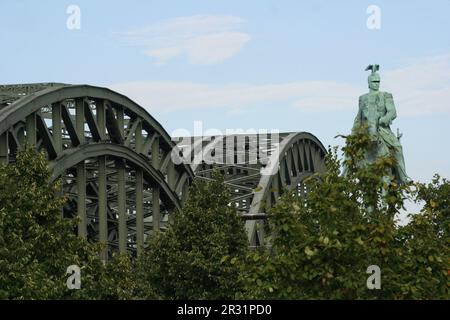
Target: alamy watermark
(74,280)
(374,20)
(374,280)
(73,21)
(230,147)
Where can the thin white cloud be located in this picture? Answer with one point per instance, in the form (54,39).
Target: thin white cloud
(172,95)
(204,39)
(420,87)
(215,48)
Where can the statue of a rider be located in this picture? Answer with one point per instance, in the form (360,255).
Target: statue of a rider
(377,110)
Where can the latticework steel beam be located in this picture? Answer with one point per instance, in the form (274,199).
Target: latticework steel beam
(117,168)
(254,187)
(113,157)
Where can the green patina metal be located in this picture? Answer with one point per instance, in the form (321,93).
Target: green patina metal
(377,111)
(295,156)
(115,158)
(115,161)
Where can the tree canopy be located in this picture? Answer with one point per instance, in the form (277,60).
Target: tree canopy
(197,257)
(321,244)
(325,241)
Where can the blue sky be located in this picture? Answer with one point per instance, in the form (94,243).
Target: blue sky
(287,65)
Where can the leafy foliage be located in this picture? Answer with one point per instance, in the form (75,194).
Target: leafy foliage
(37,244)
(324,242)
(428,240)
(197,257)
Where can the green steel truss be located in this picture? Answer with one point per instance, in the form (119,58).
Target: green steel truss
(113,157)
(241,159)
(115,161)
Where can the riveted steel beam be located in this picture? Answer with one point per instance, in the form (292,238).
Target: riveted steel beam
(107,149)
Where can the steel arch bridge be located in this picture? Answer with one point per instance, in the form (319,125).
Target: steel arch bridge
(257,168)
(113,157)
(117,166)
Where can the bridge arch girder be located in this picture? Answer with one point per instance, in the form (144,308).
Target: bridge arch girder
(257,177)
(118,151)
(298,156)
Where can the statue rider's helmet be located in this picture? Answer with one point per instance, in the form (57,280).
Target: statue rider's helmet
(374,77)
